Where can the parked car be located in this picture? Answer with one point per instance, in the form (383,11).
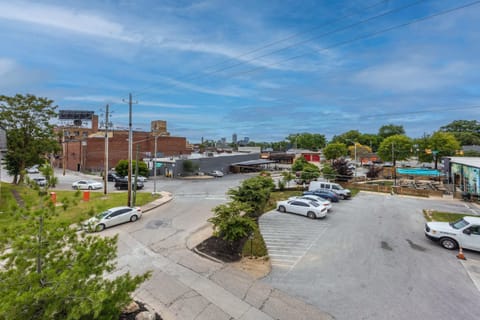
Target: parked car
(112,217)
(322,201)
(331,196)
(464,232)
(122,183)
(112,176)
(87,185)
(216,173)
(33,169)
(40,181)
(330,186)
(139,178)
(311,209)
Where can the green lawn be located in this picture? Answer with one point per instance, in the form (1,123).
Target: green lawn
(444,216)
(75,208)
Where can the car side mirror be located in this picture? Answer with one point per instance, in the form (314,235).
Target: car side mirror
(467,231)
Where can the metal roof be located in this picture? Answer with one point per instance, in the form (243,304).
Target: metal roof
(253,162)
(468,161)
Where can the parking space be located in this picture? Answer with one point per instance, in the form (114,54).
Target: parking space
(288,237)
(369,259)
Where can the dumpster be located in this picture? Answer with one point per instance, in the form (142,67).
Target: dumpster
(86,195)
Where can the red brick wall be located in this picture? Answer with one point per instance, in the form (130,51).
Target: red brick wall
(91,156)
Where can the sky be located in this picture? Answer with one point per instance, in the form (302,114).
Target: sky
(259,69)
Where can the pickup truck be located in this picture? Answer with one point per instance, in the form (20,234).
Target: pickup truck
(464,232)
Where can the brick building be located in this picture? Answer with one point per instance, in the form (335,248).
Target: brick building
(84,147)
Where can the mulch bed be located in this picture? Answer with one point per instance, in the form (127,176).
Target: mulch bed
(221,249)
(131,316)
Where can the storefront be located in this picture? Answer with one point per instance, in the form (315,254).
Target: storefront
(463,173)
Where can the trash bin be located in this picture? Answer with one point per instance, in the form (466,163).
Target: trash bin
(86,195)
(53,196)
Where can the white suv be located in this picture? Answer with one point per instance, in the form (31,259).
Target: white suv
(464,232)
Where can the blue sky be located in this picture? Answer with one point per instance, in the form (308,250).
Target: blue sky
(260,69)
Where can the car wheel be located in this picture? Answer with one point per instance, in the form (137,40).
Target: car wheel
(311,215)
(90,188)
(448,243)
(100,227)
(281,209)
(133,218)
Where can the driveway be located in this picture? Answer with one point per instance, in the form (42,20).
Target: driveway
(370,260)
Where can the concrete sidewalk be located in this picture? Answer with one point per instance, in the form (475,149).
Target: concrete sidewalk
(186,286)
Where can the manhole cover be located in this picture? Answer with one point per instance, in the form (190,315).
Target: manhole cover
(154,224)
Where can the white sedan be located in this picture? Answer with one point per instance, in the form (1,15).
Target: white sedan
(139,178)
(311,209)
(322,201)
(112,217)
(86,185)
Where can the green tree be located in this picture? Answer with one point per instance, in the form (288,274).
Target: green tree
(310,173)
(230,221)
(299,164)
(52,272)
(328,171)
(190,166)
(397,147)
(371,140)
(122,168)
(442,144)
(389,130)
(287,176)
(254,192)
(467,132)
(30,136)
(335,150)
(348,138)
(311,141)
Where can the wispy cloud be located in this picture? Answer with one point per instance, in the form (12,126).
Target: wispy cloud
(65,19)
(112,99)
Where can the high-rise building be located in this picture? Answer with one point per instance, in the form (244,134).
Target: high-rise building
(234,138)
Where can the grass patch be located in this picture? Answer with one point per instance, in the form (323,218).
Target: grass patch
(432,215)
(255,247)
(74,209)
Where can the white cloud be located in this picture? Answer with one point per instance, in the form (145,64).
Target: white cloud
(65,19)
(410,76)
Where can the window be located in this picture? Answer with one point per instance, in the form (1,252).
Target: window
(475,230)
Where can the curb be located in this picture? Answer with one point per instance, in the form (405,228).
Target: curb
(206,256)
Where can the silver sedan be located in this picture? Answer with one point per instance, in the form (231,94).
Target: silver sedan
(311,209)
(112,217)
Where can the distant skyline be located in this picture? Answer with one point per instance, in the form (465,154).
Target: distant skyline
(260,69)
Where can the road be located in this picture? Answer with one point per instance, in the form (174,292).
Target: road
(370,260)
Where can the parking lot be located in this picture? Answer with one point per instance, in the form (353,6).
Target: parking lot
(369,259)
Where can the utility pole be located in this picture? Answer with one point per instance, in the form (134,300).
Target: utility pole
(136,177)
(155,167)
(63,149)
(130,143)
(105,174)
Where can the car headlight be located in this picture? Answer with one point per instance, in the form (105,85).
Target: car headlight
(433,231)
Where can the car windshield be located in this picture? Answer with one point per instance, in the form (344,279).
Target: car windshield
(103,214)
(459,224)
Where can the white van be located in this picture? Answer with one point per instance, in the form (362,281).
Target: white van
(331,186)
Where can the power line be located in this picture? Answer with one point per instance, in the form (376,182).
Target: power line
(362,37)
(194,76)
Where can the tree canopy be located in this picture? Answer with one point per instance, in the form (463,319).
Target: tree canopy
(311,141)
(334,150)
(51,271)
(397,147)
(122,168)
(30,136)
(467,132)
(389,130)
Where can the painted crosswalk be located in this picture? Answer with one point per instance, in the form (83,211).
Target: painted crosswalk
(288,237)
